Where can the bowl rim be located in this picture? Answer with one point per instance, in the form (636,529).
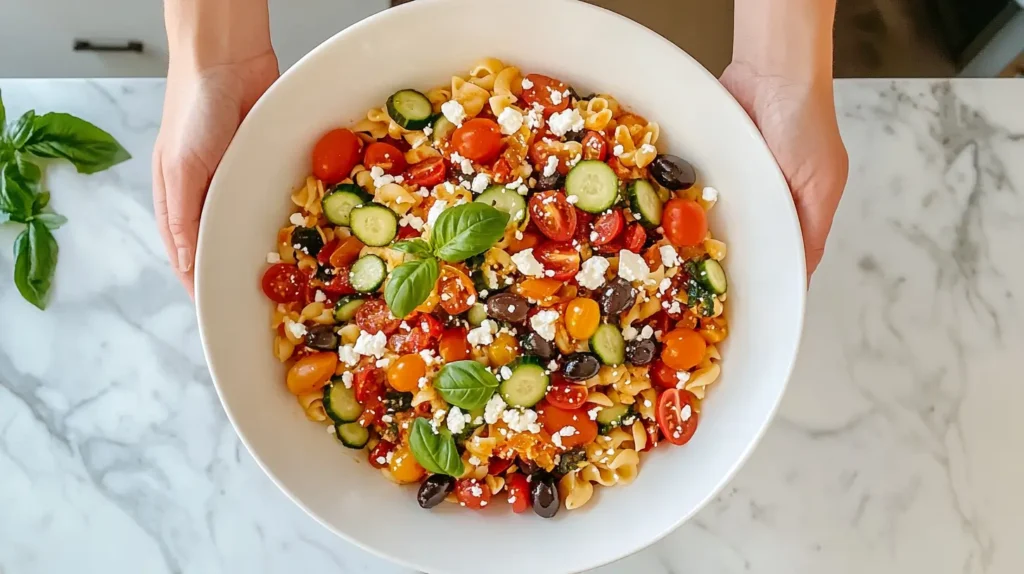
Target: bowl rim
(381,18)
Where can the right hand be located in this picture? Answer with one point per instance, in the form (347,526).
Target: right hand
(202,109)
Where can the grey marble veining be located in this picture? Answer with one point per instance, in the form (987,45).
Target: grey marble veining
(898,447)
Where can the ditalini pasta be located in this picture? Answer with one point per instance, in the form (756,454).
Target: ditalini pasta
(500,288)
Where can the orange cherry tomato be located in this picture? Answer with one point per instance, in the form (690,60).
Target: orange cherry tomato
(677,415)
(551,212)
(334,155)
(472,493)
(405,372)
(529,241)
(518,492)
(543,90)
(427,173)
(385,156)
(453,345)
(567,396)
(456,290)
(582,317)
(538,289)
(682,349)
(404,467)
(478,139)
(554,419)
(346,252)
(685,222)
(311,372)
(503,350)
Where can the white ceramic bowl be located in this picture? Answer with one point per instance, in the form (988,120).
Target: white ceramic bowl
(421,45)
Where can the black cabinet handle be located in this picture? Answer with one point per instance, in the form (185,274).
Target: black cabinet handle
(90,46)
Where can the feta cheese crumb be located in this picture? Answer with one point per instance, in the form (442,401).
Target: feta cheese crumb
(380,179)
(572,199)
(319,296)
(383,363)
(685,413)
(527,264)
(505,373)
(527,84)
(510,120)
(665,285)
(551,166)
(675,308)
(709,194)
(412,221)
(474,461)
(629,333)
(524,420)
(647,332)
(457,420)
(618,150)
(519,235)
(454,111)
(544,324)
(465,164)
(592,413)
(556,96)
(669,256)
(298,330)
(591,274)
(484,334)
(346,379)
(493,409)
(435,211)
(565,121)
(648,148)
(535,117)
(632,266)
(427,131)
(348,355)
(297,220)
(273,257)
(552,365)
(682,377)
(368,344)
(480,182)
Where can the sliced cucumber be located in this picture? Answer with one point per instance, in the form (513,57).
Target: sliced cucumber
(442,129)
(644,200)
(608,344)
(594,184)
(346,307)
(477,314)
(527,385)
(374,224)
(340,402)
(410,109)
(340,201)
(505,199)
(611,417)
(712,276)
(352,435)
(368,273)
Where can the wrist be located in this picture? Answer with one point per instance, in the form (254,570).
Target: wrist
(786,39)
(202,34)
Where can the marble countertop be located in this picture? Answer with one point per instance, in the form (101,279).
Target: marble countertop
(899,446)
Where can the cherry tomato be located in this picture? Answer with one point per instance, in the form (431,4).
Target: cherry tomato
(584,225)
(554,419)
(503,350)
(312,372)
(336,286)
(634,238)
(594,146)
(561,258)
(478,139)
(567,396)
(412,341)
(375,317)
(453,345)
(538,289)
(404,468)
(405,372)
(652,256)
(284,283)
(496,465)
(518,492)
(582,317)
(682,349)
(428,324)
(407,232)
(385,156)
(346,252)
(677,415)
(427,173)
(456,290)
(608,226)
(553,215)
(543,92)
(335,155)
(653,435)
(543,148)
(368,383)
(472,493)
(529,240)
(379,455)
(685,222)
(663,375)
(324,256)
(502,170)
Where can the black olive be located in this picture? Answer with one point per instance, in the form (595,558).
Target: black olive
(581,366)
(553,181)
(324,273)
(322,338)
(534,344)
(673,172)
(507,307)
(307,240)
(544,495)
(616,297)
(527,466)
(641,353)
(574,136)
(397,401)
(434,490)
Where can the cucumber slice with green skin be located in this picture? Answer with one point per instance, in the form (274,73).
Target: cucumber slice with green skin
(410,109)
(352,435)
(504,199)
(477,314)
(367,274)
(712,276)
(527,385)
(442,129)
(644,201)
(339,202)
(340,402)
(611,417)
(608,344)
(374,224)
(594,184)
(346,307)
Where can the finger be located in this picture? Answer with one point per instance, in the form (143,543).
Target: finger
(160,212)
(186,184)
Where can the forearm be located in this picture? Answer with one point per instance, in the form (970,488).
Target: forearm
(207,33)
(791,39)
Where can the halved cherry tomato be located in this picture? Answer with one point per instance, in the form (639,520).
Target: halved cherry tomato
(334,155)
(497,465)
(652,256)
(567,396)
(405,372)
(653,435)
(553,215)
(685,222)
(502,171)
(472,493)
(311,373)
(554,419)
(503,350)
(518,492)
(608,226)
(582,317)
(375,317)
(456,290)
(561,258)
(543,148)
(677,415)
(478,139)
(538,289)
(283,283)
(385,156)
(453,345)
(426,173)
(664,375)
(682,349)
(429,325)
(408,232)
(594,146)
(368,383)
(542,92)
(529,240)
(404,468)
(324,256)
(634,238)
(346,252)
(338,284)
(584,225)
(379,455)
(407,342)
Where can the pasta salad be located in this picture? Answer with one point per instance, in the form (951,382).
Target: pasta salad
(500,288)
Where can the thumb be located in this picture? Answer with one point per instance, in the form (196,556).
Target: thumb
(186,181)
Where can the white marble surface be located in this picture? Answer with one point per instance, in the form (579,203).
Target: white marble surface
(899,446)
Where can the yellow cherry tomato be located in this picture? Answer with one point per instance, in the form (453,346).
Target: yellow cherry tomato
(582,318)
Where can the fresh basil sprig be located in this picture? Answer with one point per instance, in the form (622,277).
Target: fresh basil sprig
(466,384)
(416,247)
(35,252)
(435,452)
(408,283)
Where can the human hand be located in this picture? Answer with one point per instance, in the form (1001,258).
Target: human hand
(798,121)
(203,107)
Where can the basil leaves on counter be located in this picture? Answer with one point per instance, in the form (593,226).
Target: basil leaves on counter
(435,452)
(466,384)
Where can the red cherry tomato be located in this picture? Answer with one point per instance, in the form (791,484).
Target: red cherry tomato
(456,290)
(346,252)
(567,396)
(375,317)
(409,342)
(561,258)
(324,256)
(553,215)
(496,465)
(335,155)
(653,435)
(608,226)
(429,325)
(478,139)
(677,415)
(385,156)
(594,146)
(542,92)
(368,383)
(407,232)
(502,171)
(337,286)
(426,173)
(472,493)
(284,283)
(685,222)
(664,375)
(634,238)
(379,455)
(453,346)
(555,419)
(518,492)
(584,225)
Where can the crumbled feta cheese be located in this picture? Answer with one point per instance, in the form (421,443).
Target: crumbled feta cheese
(319,296)
(510,120)
(368,344)
(505,373)
(471,300)
(675,308)
(682,377)
(648,149)
(535,118)
(574,160)
(348,355)
(669,256)
(527,84)
(428,130)
(591,274)
(647,332)
(422,382)
(544,324)
(665,285)
(549,273)
(465,164)
(632,266)
(618,150)
(551,166)
(387,419)
(435,211)
(524,420)
(519,235)
(412,221)
(297,219)
(493,409)
(454,111)
(346,379)
(380,179)
(566,121)
(474,461)
(445,297)
(429,356)
(572,199)
(484,334)
(273,258)
(527,264)
(709,194)
(399,179)
(480,182)
(383,363)
(629,333)
(685,413)
(457,420)
(556,96)
(298,330)
(552,365)
(556,439)
(592,413)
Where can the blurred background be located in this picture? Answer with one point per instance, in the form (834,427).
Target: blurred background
(874,38)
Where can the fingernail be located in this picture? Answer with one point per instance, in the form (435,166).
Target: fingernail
(184,259)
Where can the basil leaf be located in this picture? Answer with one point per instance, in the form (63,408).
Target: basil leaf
(3,116)
(435,452)
(40,202)
(15,198)
(35,259)
(410,284)
(466,230)
(466,384)
(22,129)
(50,220)
(29,172)
(64,136)
(416,247)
